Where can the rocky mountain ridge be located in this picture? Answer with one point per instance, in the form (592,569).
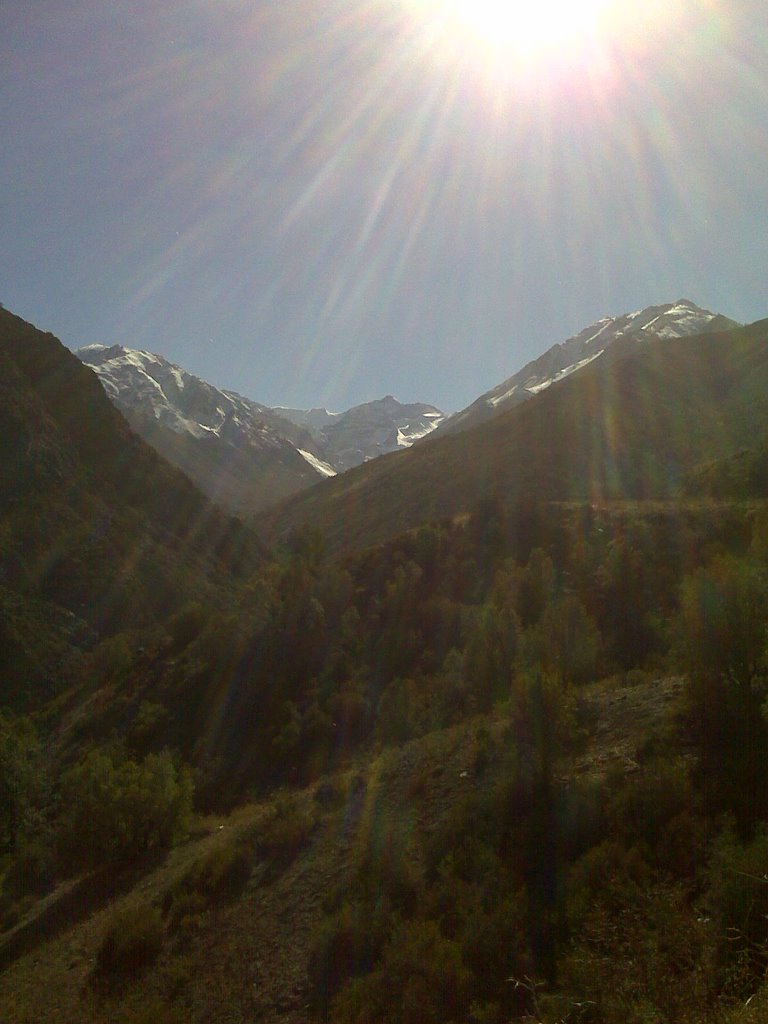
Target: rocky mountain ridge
(244,454)
(670,320)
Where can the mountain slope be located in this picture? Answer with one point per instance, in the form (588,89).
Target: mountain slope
(673,320)
(279,912)
(97,532)
(375,428)
(628,427)
(244,455)
(238,452)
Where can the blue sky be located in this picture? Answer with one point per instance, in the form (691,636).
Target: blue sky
(319,204)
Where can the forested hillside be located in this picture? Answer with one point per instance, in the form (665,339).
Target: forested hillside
(507,765)
(97,533)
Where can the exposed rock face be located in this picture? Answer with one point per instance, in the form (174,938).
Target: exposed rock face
(241,453)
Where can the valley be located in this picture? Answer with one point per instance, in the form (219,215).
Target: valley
(384,512)
(470,733)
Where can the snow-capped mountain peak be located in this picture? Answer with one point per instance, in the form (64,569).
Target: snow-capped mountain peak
(146,383)
(367,430)
(672,320)
(287,449)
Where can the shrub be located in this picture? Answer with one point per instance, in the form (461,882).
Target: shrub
(421,980)
(185,908)
(150,721)
(723,611)
(330,793)
(118,811)
(645,804)
(219,875)
(608,873)
(33,869)
(347,945)
(223,872)
(21,778)
(187,624)
(11,911)
(286,834)
(494,943)
(386,865)
(161,1012)
(640,955)
(738,902)
(132,940)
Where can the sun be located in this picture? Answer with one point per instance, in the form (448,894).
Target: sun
(519,30)
(527,24)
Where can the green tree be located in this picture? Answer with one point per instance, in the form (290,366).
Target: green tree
(489,663)
(535,588)
(629,596)
(565,644)
(117,811)
(21,778)
(722,625)
(737,899)
(490,655)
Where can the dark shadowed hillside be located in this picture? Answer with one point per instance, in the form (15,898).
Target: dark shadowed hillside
(97,532)
(626,427)
(671,320)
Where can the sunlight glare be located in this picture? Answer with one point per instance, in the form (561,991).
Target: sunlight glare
(527,32)
(527,25)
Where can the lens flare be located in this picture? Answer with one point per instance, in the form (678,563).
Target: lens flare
(520,35)
(521,27)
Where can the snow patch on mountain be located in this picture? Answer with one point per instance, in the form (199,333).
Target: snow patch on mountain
(377,428)
(315,419)
(147,384)
(322,467)
(329,442)
(672,320)
(534,389)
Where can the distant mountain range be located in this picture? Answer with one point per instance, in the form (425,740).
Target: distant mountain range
(247,456)
(368,430)
(243,454)
(672,320)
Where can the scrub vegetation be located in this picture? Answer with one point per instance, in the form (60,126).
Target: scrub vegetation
(508,765)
